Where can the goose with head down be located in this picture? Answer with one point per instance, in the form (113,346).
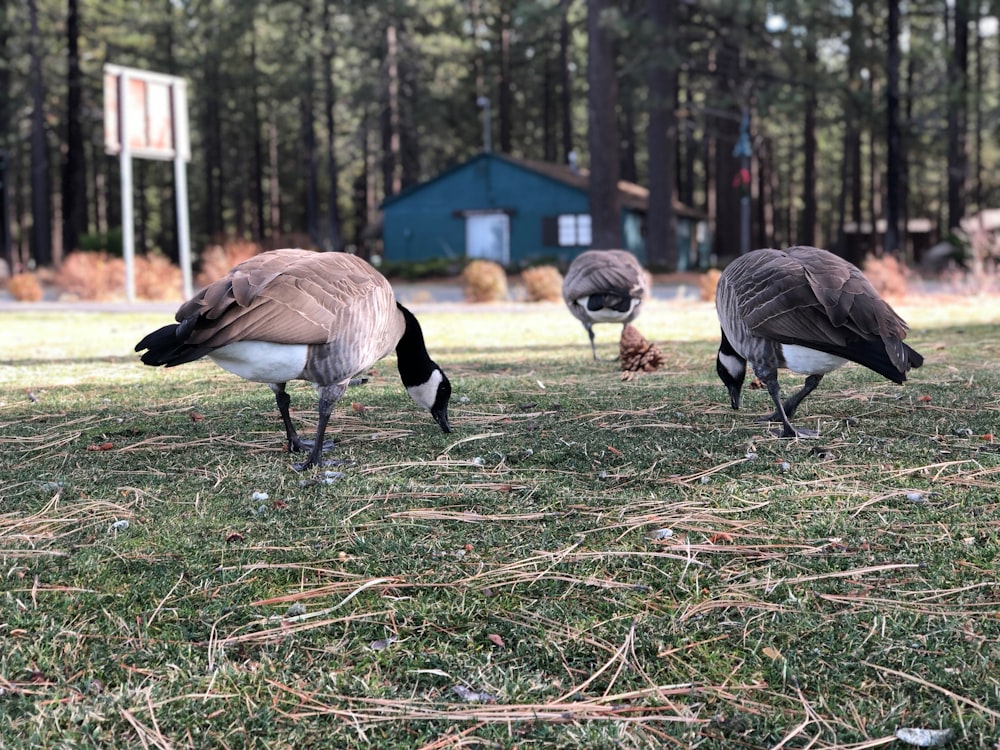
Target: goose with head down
(604,286)
(809,311)
(301,315)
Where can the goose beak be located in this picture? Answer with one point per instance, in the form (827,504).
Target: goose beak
(441,417)
(735,394)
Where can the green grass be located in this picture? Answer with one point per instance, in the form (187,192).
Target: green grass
(611,563)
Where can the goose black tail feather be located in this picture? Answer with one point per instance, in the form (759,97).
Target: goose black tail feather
(163,347)
(871,354)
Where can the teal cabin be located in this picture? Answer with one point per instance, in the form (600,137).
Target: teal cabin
(516,212)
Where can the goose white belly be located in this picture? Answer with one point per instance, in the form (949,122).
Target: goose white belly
(262,361)
(806,361)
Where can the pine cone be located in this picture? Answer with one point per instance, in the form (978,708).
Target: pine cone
(637,355)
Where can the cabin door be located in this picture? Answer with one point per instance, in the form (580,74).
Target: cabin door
(487,236)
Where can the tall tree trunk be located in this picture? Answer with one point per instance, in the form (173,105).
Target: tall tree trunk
(807,230)
(74,166)
(661,81)
(548,113)
(168,235)
(274,177)
(874,168)
(894,239)
(958,86)
(211,128)
(334,236)
(6,246)
(505,83)
(392,172)
(602,97)
(566,93)
(725,129)
(41,228)
(687,168)
(851,246)
(627,146)
(260,225)
(310,160)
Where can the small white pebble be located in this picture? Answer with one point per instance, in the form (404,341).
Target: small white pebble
(479,461)
(750,456)
(784,466)
(118,526)
(463,400)
(915,497)
(704,479)
(259,496)
(296,610)
(658,534)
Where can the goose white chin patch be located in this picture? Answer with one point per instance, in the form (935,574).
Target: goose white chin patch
(734,365)
(426,393)
(605,314)
(262,361)
(806,361)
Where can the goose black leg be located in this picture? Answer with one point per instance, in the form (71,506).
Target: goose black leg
(780,415)
(810,385)
(590,332)
(328,396)
(295,443)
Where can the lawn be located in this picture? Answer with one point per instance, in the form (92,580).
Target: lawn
(583,562)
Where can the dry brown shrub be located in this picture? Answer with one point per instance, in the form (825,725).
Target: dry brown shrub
(157,278)
(707,284)
(886,274)
(484,281)
(218,260)
(91,275)
(25,287)
(543,283)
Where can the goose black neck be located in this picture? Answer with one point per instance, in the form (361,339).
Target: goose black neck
(414,363)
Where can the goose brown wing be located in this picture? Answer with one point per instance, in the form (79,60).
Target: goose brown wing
(603,270)
(813,298)
(288,297)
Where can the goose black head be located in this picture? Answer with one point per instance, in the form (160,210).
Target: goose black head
(732,370)
(423,379)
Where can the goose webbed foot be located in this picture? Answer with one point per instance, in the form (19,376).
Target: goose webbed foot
(787,431)
(304,445)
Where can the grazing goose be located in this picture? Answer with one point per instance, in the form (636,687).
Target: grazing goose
(808,311)
(301,315)
(604,286)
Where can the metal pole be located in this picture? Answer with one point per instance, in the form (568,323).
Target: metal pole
(484,102)
(125,162)
(744,151)
(180,188)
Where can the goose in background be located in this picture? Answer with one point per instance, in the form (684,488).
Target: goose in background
(809,311)
(604,286)
(302,315)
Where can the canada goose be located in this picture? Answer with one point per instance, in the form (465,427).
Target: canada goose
(808,311)
(604,286)
(300,315)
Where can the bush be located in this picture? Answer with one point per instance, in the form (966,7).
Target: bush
(886,274)
(707,283)
(484,281)
(157,278)
(91,276)
(543,283)
(218,260)
(24,287)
